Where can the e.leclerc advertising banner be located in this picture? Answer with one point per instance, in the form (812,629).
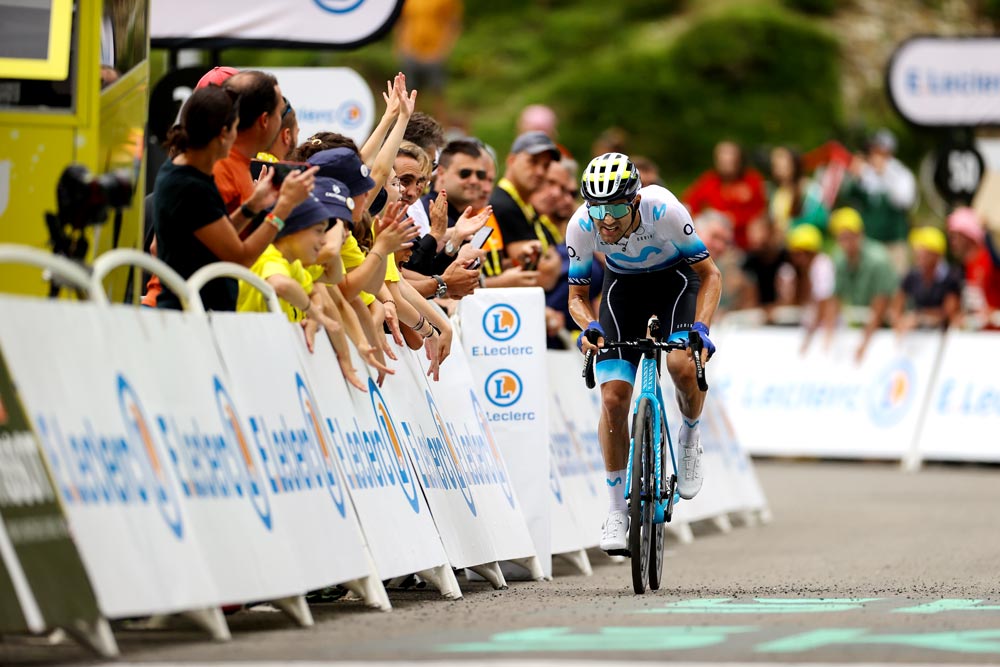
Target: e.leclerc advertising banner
(503,333)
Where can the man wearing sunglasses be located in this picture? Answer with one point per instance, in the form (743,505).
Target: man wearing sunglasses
(655,264)
(288,136)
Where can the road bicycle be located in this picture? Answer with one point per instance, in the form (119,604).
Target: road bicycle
(650,492)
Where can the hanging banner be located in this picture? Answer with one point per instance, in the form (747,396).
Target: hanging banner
(43,583)
(328,99)
(964,402)
(320,24)
(503,333)
(107,454)
(946,81)
(785,404)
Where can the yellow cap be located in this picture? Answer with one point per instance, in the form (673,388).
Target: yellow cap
(929,238)
(846,219)
(805,238)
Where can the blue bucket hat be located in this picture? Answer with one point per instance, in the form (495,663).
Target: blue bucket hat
(335,197)
(344,165)
(310,212)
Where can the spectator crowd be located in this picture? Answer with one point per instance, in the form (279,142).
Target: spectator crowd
(378,241)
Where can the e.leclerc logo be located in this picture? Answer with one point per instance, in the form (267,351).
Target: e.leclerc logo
(392,440)
(503,388)
(890,396)
(139,434)
(501,322)
(327,476)
(350,114)
(254,482)
(457,474)
(339,6)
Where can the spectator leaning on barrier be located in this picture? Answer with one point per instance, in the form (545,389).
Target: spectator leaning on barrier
(261,105)
(808,281)
(970,246)
(427,133)
(883,190)
(730,187)
(192,226)
(865,273)
(930,294)
(765,255)
(715,229)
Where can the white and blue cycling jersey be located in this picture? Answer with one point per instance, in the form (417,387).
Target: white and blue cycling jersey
(665,237)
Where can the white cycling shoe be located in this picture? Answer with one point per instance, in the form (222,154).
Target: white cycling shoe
(615,535)
(690,476)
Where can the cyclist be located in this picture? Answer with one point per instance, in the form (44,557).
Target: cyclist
(656,264)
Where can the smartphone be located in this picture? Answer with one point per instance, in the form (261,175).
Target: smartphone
(281,169)
(478,240)
(529,261)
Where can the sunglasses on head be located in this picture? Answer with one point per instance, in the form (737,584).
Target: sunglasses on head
(601,211)
(465,173)
(288,108)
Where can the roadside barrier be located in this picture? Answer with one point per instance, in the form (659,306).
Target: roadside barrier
(928,396)
(204,460)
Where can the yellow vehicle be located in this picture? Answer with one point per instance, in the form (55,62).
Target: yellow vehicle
(74,89)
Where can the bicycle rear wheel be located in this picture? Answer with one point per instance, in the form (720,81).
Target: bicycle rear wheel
(640,506)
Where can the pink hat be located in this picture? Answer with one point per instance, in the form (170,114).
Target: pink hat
(965,221)
(216,76)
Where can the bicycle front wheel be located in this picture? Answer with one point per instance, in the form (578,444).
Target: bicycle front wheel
(656,543)
(640,501)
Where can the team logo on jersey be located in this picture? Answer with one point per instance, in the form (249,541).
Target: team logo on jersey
(339,6)
(501,322)
(503,388)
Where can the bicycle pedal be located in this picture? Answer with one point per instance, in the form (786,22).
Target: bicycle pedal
(619,552)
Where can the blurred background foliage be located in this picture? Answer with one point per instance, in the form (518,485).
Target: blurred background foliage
(675,76)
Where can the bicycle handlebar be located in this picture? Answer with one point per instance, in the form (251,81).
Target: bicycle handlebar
(648,345)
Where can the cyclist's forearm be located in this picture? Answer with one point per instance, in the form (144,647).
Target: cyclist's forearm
(708,296)
(579,305)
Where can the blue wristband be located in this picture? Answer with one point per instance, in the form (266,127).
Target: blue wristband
(700,327)
(596,326)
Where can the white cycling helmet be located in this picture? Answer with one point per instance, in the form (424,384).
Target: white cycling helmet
(609,177)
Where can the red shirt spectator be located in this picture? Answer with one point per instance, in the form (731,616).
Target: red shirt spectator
(730,188)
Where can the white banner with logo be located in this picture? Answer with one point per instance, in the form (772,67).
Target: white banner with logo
(823,403)
(485,467)
(330,99)
(285,426)
(503,333)
(108,457)
(277,23)
(576,452)
(394,515)
(963,412)
(567,535)
(947,81)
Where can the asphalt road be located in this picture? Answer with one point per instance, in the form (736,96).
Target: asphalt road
(862,563)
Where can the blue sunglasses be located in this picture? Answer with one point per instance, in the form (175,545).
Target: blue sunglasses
(600,211)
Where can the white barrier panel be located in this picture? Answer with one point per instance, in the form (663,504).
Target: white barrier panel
(283,423)
(223,481)
(823,404)
(963,413)
(743,477)
(576,451)
(107,457)
(503,333)
(391,507)
(567,535)
(485,466)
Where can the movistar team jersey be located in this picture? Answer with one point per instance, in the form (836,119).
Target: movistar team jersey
(665,237)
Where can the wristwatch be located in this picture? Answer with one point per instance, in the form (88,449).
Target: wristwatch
(442,288)
(450,249)
(248,212)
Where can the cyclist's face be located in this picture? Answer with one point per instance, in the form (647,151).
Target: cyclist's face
(612,228)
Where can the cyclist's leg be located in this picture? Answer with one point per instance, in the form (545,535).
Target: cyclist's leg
(684,285)
(615,371)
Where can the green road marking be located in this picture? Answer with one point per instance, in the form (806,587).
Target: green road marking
(974,641)
(948,605)
(605,639)
(761,606)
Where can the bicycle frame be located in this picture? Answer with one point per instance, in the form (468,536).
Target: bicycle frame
(649,373)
